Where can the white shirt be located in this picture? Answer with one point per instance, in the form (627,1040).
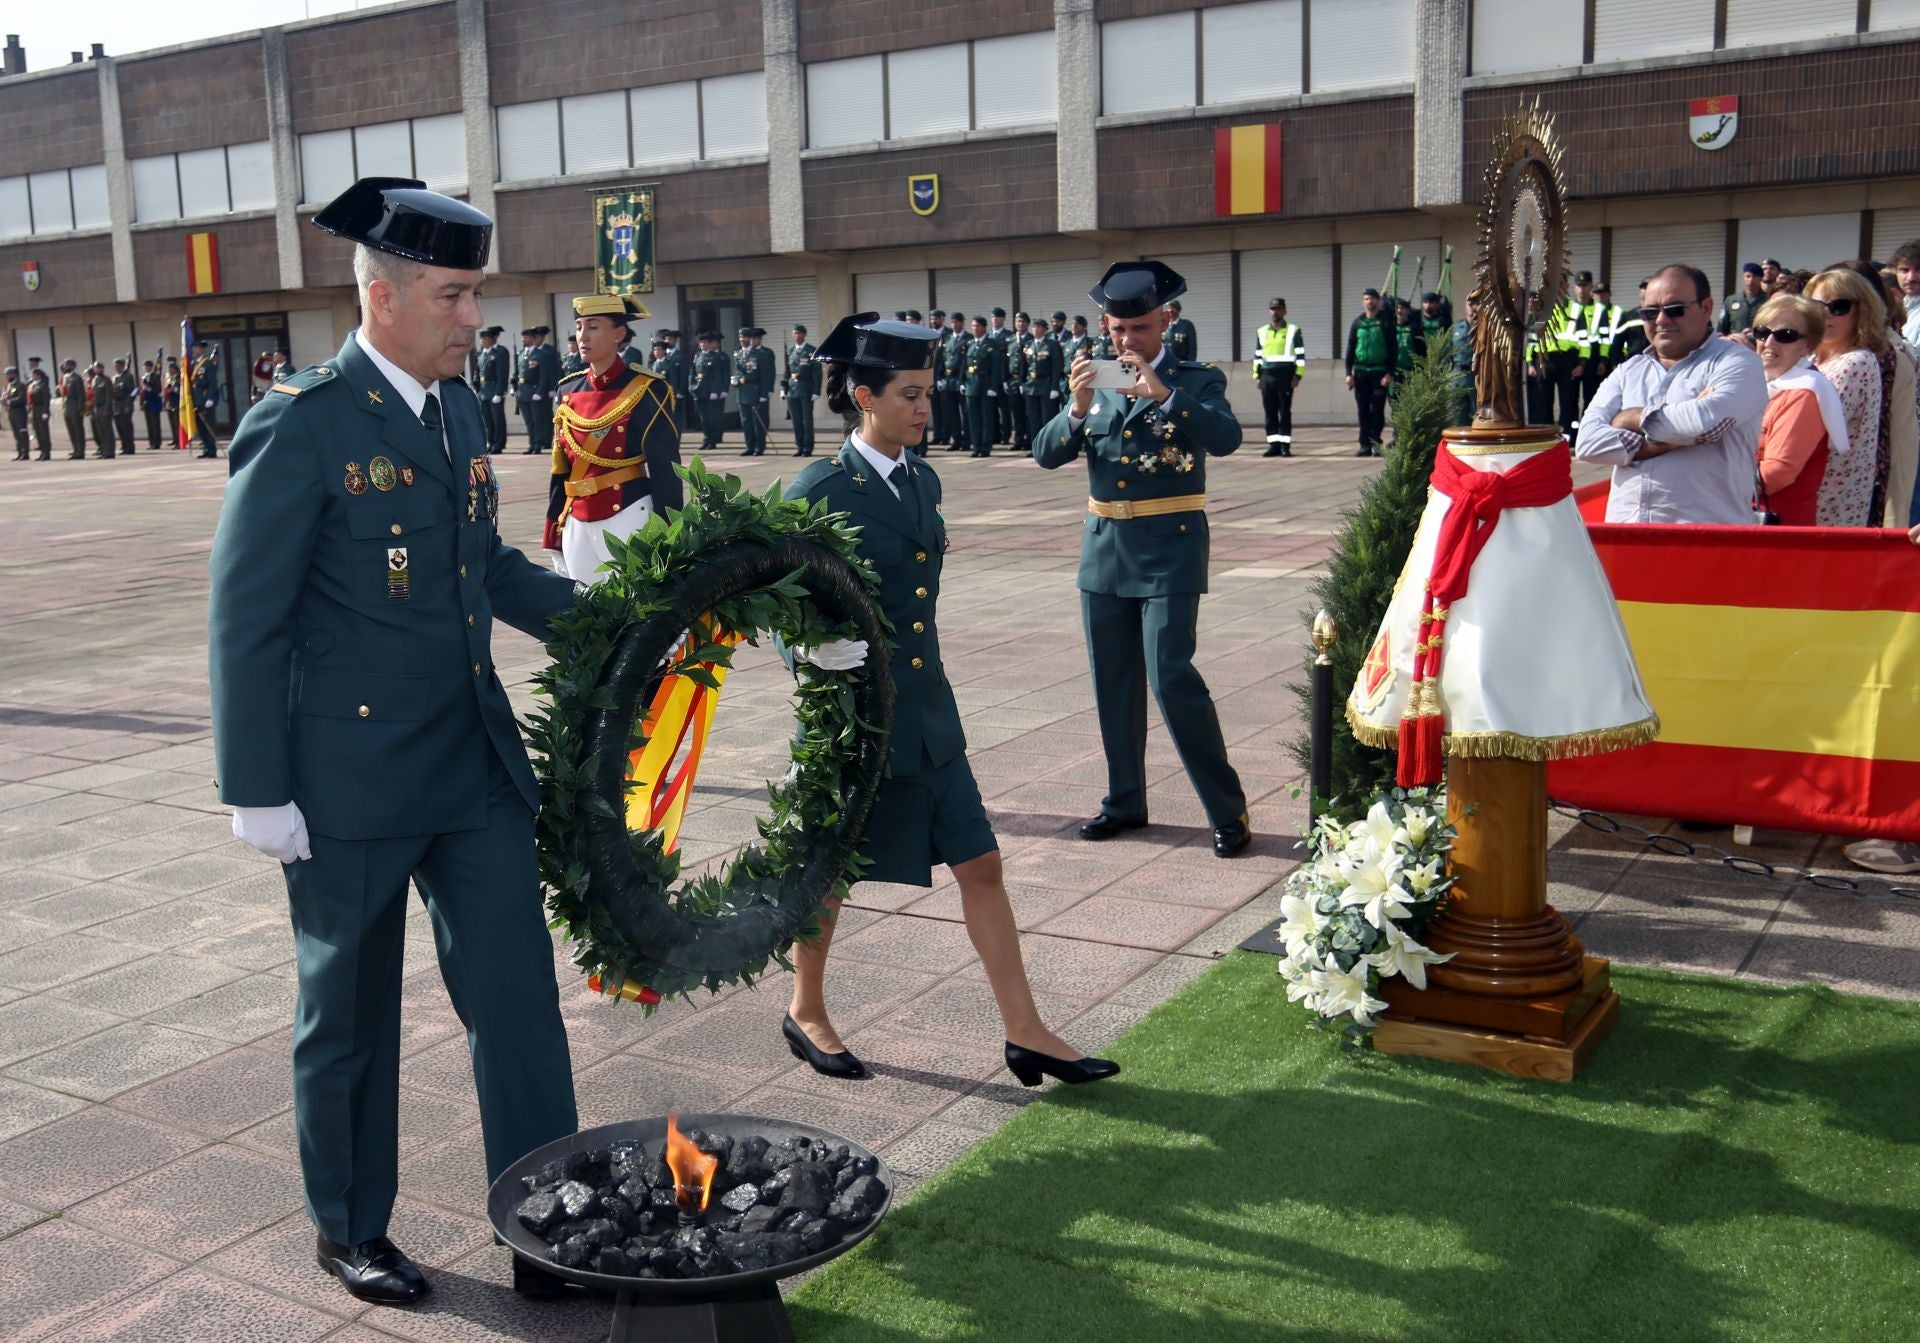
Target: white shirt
(407,385)
(879,461)
(1912,329)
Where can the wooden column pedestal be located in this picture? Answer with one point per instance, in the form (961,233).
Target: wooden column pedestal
(1520,994)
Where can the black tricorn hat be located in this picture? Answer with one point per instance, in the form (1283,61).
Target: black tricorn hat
(1136,288)
(495,331)
(865,340)
(399,215)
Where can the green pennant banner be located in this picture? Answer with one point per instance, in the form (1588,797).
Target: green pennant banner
(623,241)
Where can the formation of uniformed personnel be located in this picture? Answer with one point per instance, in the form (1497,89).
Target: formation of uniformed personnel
(799,384)
(170,394)
(1016,385)
(100,409)
(1279,363)
(1041,390)
(1144,549)
(1103,346)
(493,380)
(753,388)
(40,407)
(678,371)
(985,375)
(361,734)
(1182,338)
(939,432)
(152,402)
(615,443)
(950,369)
(1371,357)
(712,374)
(930,810)
(13,394)
(1461,354)
(73,407)
(535,377)
(203,377)
(1077,343)
(126,391)
(1002,407)
(571,362)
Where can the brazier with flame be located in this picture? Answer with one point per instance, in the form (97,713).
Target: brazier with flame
(691,1225)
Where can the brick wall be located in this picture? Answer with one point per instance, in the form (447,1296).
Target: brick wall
(1828,116)
(50,123)
(72,273)
(361,72)
(721,212)
(832,29)
(539,49)
(327,260)
(1106,11)
(249,262)
(198,99)
(997,189)
(1342,158)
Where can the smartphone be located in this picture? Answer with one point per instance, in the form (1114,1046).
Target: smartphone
(1112,374)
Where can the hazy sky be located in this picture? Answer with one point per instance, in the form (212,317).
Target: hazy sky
(52,31)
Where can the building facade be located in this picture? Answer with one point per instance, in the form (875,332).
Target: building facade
(780,136)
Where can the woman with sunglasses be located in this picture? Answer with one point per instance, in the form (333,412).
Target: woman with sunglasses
(1850,355)
(1805,426)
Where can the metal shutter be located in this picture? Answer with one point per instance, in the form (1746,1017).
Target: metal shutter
(1251,51)
(1754,22)
(156,189)
(1047,287)
(1583,253)
(1015,80)
(250,173)
(15,219)
(385,150)
(733,109)
(1639,252)
(1162,46)
(975,290)
(529,140)
(90,197)
(1515,35)
(1208,302)
(1892,230)
(844,102)
(326,163)
(1625,30)
(1370,44)
(1303,276)
(203,183)
(889,291)
(32,340)
(593,132)
(72,342)
(52,201)
(921,85)
(778,304)
(1802,241)
(666,123)
(1890,14)
(439,152)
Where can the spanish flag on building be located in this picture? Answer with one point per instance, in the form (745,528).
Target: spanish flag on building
(1785,666)
(1246,170)
(203,264)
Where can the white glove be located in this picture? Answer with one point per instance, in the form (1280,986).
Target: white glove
(207,404)
(836,654)
(538,397)
(991,392)
(279,832)
(1054,395)
(496,400)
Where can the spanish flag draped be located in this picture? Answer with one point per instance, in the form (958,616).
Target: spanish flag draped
(1785,666)
(189,416)
(1246,170)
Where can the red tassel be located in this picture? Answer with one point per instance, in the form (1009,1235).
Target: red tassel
(1426,753)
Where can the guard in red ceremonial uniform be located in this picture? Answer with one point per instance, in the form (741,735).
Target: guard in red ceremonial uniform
(615,442)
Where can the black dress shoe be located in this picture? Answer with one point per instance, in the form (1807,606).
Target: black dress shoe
(1273,451)
(1029,1065)
(1104,826)
(843,1064)
(374,1270)
(1231,838)
(531,1280)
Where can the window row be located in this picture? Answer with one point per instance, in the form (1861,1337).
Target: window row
(1513,36)
(1270,49)
(60,201)
(994,82)
(430,149)
(202,182)
(723,117)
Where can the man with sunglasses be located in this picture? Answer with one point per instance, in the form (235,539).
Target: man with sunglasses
(1679,424)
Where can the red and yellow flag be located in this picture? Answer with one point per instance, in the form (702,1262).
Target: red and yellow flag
(203,264)
(1246,170)
(1785,665)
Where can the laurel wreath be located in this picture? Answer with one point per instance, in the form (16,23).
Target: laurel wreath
(754,565)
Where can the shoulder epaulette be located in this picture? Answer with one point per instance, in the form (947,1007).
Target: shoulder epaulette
(1193,363)
(304,381)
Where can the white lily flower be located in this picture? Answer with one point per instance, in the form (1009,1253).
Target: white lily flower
(1345,993)
(1423,878)
(1300,920)
(1375,831)
(1418,823)
(1405,957)
(1366,880)
(1388,906)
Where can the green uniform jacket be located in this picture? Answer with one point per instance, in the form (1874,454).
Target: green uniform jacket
(1133,455)
(350,625)
(803,373)
(754,369)
(986,366)
(905,546)
(709,374)
(1183,339)
(495,371)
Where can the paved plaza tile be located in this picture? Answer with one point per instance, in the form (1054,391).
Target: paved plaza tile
(149,1181)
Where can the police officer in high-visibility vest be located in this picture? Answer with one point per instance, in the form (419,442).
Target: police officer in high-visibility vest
(1279,363)
(1603,341)
(1563,349)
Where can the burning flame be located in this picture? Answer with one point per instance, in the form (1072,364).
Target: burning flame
(692,1170)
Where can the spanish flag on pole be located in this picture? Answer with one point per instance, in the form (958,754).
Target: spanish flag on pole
(189,416)
(1246,170)
(1785,665)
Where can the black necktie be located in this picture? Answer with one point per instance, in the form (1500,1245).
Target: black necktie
(430,414)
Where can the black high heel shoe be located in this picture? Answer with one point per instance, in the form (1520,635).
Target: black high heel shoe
(843,1064)
(1028,1065)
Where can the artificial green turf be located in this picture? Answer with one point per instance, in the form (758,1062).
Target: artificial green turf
(1737,1162)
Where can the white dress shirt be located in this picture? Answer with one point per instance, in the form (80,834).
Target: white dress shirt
(878,460)
(409,387)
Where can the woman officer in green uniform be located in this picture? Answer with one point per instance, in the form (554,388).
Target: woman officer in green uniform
(929,809)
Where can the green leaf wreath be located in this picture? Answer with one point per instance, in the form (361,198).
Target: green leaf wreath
(730,560)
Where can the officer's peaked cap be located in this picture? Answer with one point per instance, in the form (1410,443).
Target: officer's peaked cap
(1136,288)
(865,340)
(399,215)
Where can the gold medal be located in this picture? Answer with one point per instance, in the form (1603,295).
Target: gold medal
(382,472)
(356,482)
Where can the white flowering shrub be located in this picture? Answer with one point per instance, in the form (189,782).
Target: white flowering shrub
(1352,913)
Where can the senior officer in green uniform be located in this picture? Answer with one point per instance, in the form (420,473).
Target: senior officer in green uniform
(930,809)
(361,735)
(496,381)
(753,388)
(799,384)
(1143,553)
(986,370)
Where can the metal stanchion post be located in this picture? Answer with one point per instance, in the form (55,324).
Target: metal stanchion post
(1320,775)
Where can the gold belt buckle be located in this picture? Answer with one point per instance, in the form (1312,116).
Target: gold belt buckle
(1122,508)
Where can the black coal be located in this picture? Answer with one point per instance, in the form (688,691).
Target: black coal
(612,1209)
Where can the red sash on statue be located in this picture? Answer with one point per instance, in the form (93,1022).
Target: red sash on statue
(1476,500)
